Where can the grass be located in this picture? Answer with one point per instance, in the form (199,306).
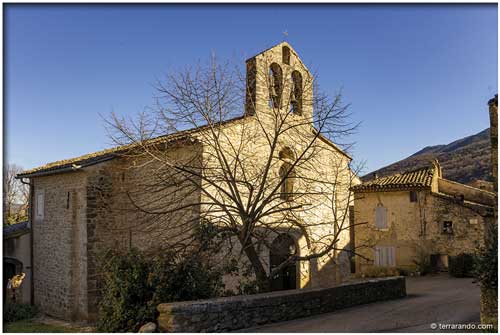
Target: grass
(30,326)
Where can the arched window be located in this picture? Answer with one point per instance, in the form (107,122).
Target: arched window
(286,173)
(287,178)
(296,93)
(275,87)
(286,154)
(285,52)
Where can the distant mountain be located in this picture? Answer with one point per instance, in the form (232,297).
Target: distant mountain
(464,160)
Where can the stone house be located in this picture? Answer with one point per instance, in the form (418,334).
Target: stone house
(71,199)
(405,217)
(17,258)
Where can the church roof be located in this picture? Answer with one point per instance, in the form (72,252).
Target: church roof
(420,178)
(75,163)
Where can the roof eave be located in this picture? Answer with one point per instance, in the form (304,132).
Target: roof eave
(64,169)
(388,189)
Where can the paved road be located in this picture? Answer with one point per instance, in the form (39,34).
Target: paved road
(435,299)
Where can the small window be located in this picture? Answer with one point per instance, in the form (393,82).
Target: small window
(40,206)
(413,196)
(473,221)
(385,256)
(447,227)
(286,55)
(381,217)
(286,191)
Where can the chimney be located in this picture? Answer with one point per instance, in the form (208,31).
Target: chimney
(493,107)
(375,175)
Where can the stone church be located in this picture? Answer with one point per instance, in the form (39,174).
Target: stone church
(70,214)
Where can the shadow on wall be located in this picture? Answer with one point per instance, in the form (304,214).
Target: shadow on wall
(326,271)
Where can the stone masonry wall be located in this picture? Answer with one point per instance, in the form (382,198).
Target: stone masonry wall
(322,172)
(469,193)
(226,314)
(113,223)
(59,266)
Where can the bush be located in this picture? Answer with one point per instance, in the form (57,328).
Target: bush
(379,271)
(15,312)
(486,262)
(461,265)
(134,284)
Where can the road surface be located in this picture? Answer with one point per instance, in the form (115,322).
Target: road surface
(438,299)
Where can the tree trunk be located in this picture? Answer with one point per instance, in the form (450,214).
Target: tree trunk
(263,281)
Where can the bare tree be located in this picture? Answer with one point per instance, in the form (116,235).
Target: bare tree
(15,195)
(253,177)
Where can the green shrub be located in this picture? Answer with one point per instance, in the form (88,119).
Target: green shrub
(461,265)
(15,312)
(378,271)
(134,284)
(486,261)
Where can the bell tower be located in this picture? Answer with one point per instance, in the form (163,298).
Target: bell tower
(278,81)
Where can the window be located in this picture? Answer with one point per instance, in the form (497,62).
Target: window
(286,191)
(287,176)
(285,51)
(473,221)
(413,196)
(296,93)
(40,206)
(447,227)
(385,256)
(381,217)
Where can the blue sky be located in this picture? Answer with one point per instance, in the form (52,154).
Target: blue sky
(415,75)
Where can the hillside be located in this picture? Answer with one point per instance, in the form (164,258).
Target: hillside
(463,160)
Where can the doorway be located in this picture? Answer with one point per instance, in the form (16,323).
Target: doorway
(282,248)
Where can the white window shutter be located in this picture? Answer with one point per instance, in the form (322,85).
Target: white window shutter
(385,256)
(392,253)
(381,217)
(40,205)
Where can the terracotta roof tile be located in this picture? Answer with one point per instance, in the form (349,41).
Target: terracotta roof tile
(410,179)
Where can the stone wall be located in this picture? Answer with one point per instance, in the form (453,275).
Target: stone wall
(59,245)
(226,314)
(469,193)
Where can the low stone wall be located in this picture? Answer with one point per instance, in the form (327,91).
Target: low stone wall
(231,313)
(469,193)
